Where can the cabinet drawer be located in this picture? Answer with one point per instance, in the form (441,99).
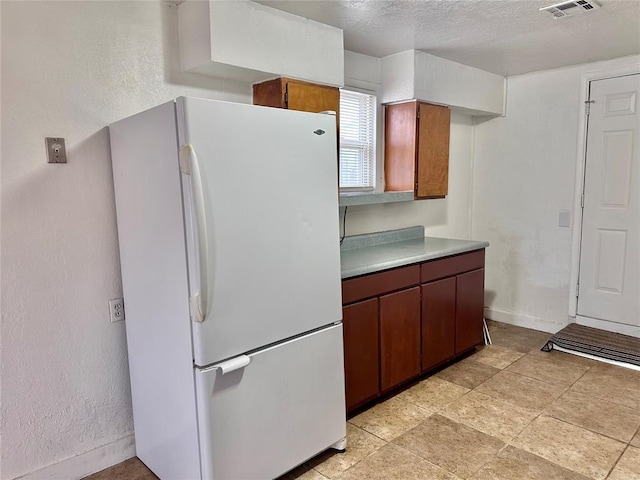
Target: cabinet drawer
(450,266)
(379,283)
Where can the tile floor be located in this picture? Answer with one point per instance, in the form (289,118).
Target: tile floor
(507,412)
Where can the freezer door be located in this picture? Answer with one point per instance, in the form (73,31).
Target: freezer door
(284,407)
(260,187)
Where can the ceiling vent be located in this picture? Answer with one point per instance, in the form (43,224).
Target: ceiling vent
(568,9)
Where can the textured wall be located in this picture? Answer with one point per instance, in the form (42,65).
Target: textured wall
(69,69)
(524,174)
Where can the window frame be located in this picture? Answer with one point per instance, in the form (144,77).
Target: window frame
(369,88)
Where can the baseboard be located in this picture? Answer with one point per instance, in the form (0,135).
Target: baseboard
(624,329)
(525,321)
(87,463)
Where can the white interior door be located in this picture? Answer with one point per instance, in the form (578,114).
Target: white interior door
(609,284)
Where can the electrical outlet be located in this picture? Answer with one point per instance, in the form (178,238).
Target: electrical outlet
(116,310)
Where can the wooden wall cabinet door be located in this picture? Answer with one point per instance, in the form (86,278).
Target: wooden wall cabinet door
(417,148)
(438,322)
(297,95)
(399,337)
(360,323)
(469,309)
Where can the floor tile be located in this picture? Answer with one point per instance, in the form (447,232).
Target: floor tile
(522,391)
(595,414)
(132,469)
(303,472)
(636,439)
(496,356)
(618,371)
(563,357)
(492,324)
(459,449)
(467,373)
(490,415)
(572,447)
(615,384)
(395,463)
(547,369)
(391,418)
(360,444)
(515,464)
(628,467)
(519,339)
(433,394)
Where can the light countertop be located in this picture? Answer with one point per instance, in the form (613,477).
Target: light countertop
(370,253)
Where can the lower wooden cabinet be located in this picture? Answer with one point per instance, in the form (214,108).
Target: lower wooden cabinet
(469,310)
(438,322)
(399,337)
(403,322)
(361,365)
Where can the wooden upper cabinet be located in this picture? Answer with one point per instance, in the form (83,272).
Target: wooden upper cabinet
(297,95)
(432,167)
(417,148)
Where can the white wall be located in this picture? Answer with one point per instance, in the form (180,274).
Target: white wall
(69,69)
(448,217)
(524,174)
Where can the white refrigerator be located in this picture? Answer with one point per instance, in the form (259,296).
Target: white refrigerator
(227,221)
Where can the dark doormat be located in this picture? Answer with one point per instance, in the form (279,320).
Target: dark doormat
(596,342)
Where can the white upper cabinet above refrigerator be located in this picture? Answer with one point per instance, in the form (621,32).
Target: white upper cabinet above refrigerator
(261,206)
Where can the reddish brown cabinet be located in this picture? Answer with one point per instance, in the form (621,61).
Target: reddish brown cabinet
(402,322)
(452,306)
(361,366)
(399,337)
(438,322)
(469,309)
(416,148)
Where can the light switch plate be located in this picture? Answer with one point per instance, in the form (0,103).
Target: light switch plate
(564,218)
(56,152)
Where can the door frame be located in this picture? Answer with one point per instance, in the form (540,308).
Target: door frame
(626,66)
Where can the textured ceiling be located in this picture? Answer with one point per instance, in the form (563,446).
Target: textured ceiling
(506,37)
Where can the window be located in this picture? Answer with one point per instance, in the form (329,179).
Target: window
(357,140)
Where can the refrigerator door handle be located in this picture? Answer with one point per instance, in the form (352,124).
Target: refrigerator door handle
(189,166)
(230,365)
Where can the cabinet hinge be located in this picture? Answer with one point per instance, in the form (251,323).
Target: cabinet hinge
(577,290)
(587,105)
(582,201)
(418,116)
